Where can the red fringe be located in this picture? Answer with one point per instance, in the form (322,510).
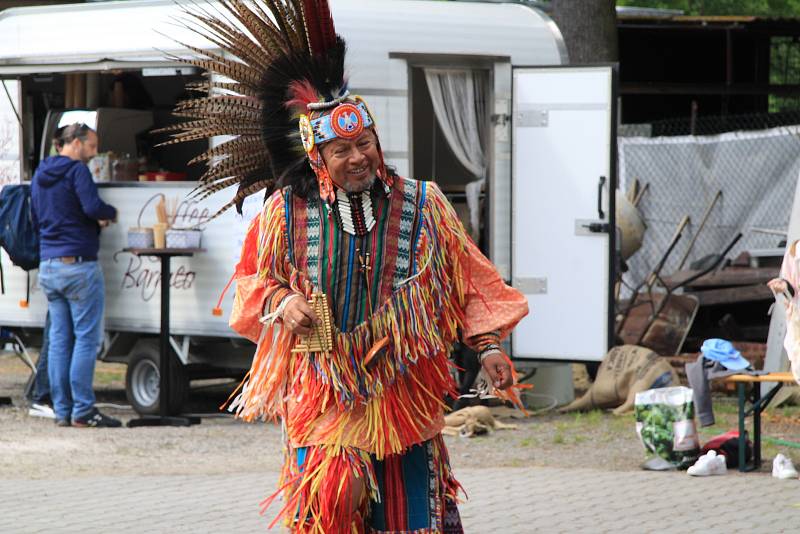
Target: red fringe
(319,495)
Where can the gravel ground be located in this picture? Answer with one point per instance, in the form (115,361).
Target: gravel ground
(32,447)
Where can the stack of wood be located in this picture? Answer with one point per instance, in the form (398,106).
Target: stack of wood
(728,286)
(732,303)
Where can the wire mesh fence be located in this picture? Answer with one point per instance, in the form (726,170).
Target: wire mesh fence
(752,162)
(714,125)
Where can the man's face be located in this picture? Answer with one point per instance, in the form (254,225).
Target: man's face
(88,148)
(354,163)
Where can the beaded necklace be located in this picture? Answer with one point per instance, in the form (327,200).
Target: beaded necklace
(355,212)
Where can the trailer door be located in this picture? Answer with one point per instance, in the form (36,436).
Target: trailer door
(563,164)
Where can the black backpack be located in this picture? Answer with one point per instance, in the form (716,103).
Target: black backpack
(18,235)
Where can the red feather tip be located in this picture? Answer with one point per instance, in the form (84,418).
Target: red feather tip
(319,25)
(301,94)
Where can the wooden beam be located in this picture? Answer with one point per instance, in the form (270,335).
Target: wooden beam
(726,277)
(733,295)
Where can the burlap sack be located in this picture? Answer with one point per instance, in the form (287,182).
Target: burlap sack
(625,371)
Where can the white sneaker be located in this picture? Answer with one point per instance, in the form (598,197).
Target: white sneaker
(783,468)
(41,410)
(708,464)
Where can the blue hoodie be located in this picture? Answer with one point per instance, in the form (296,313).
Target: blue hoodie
(66,208)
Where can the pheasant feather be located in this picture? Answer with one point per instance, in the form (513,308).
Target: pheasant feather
(257,50)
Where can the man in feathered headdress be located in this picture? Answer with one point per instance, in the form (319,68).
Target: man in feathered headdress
(354,281)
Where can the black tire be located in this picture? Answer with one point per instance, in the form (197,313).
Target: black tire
(142,381)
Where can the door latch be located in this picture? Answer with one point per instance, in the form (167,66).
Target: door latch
(597,227)
(591,227)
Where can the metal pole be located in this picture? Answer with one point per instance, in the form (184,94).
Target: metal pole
(673,242)
(756,425)
(163,340)
(768,231)
(11,102)
(640,194)
(742,433)
(699,228)
(650,280)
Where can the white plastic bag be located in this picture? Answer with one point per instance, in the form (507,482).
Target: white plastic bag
(666,427)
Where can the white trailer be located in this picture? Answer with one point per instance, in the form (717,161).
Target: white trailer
(549,140)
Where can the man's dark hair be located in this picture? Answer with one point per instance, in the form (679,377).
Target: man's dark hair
(58,141)
(75,131)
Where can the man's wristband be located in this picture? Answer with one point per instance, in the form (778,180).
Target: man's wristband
(488,351)
(481,342)
(278,313)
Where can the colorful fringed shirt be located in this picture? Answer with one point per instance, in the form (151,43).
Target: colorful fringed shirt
(428,285)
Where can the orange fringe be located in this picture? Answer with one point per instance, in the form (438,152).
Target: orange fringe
(336,401)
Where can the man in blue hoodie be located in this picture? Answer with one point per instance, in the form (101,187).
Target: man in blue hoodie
(69,214)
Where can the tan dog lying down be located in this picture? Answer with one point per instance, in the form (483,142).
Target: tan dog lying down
(472,421)
(625,371)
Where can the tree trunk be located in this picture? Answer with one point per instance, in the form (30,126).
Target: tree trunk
(589,28)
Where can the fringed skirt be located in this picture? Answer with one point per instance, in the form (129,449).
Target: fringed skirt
(413,492)
(417,492)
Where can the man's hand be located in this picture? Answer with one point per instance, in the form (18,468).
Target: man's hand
(499,370)
(298,316)
(103,223)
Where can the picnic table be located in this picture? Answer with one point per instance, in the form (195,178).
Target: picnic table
(757,405)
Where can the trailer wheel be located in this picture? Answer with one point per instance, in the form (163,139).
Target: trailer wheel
(142,381)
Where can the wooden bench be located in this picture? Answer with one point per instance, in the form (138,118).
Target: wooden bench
(757,405)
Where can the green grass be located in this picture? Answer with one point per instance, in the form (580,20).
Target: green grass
(580,427)
(725,407)
(788,411)
(109,377)
(563,426)
(595,417)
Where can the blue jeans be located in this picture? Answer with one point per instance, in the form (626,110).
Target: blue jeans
(76,296)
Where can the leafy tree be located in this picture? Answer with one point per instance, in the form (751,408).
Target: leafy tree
(771,8)
(589,28)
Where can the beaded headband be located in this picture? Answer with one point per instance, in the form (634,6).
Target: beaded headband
(347,121)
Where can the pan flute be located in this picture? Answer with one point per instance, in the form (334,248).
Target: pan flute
(321,337)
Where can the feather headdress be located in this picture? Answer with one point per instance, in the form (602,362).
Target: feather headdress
(281,66)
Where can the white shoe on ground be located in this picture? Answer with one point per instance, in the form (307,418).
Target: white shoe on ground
(783,468)
(708,464)
(41,410)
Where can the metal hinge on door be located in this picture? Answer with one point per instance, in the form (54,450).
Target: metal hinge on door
(532,118)
(500,119)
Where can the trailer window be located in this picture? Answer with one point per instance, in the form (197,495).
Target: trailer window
(125,107)
(434,157)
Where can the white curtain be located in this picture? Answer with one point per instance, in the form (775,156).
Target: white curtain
(459,103)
